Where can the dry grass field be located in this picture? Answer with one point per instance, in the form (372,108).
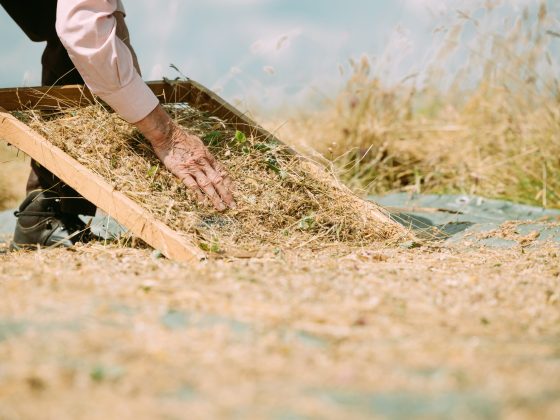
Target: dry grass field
(326,329)
(482,118)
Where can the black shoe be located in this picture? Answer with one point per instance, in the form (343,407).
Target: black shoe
(42,224)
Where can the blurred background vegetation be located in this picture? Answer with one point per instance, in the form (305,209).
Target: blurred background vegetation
(483,118)
(14,169)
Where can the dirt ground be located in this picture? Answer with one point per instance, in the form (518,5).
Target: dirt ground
(340,333)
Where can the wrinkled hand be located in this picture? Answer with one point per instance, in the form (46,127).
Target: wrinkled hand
(188,159)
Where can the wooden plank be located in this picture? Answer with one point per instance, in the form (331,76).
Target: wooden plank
(45,97)
(168,91)
(98,191)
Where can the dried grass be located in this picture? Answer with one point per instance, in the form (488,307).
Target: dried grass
(283,200)
(440,333)
(482,117)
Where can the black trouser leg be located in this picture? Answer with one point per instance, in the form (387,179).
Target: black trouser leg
(37,19)
(58,69)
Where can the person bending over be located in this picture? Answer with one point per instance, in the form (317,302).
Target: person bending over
(88,41)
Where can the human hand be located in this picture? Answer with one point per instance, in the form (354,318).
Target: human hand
(188,159)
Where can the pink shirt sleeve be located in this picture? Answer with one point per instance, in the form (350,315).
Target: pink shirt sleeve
(87,28)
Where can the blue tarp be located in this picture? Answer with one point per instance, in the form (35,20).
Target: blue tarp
(449,218)
(454,218)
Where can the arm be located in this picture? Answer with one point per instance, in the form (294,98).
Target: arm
(94,33)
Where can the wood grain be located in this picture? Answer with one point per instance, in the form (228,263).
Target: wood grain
(168,91)
(173,245)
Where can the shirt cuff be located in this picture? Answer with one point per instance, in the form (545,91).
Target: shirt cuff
(132,102)
(120,7)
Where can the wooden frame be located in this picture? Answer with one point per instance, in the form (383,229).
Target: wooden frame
(98,191)
(168,91)
(94,188)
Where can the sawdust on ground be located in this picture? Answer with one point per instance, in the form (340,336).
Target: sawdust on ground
(342,333)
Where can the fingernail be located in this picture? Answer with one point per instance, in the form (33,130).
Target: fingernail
(233,205)
(221,206)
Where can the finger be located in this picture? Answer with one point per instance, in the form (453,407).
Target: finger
(205,185)
(210,157)
(217,181)
(193,186)
(218,167)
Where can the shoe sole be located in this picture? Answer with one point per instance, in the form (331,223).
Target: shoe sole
(33,247)
(20,247)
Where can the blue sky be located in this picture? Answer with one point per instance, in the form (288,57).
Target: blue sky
(265,52)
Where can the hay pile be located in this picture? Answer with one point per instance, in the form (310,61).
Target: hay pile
(283,201)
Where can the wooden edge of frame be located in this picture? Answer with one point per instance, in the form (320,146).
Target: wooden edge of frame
(45,97)
(167,91)
(158,235)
